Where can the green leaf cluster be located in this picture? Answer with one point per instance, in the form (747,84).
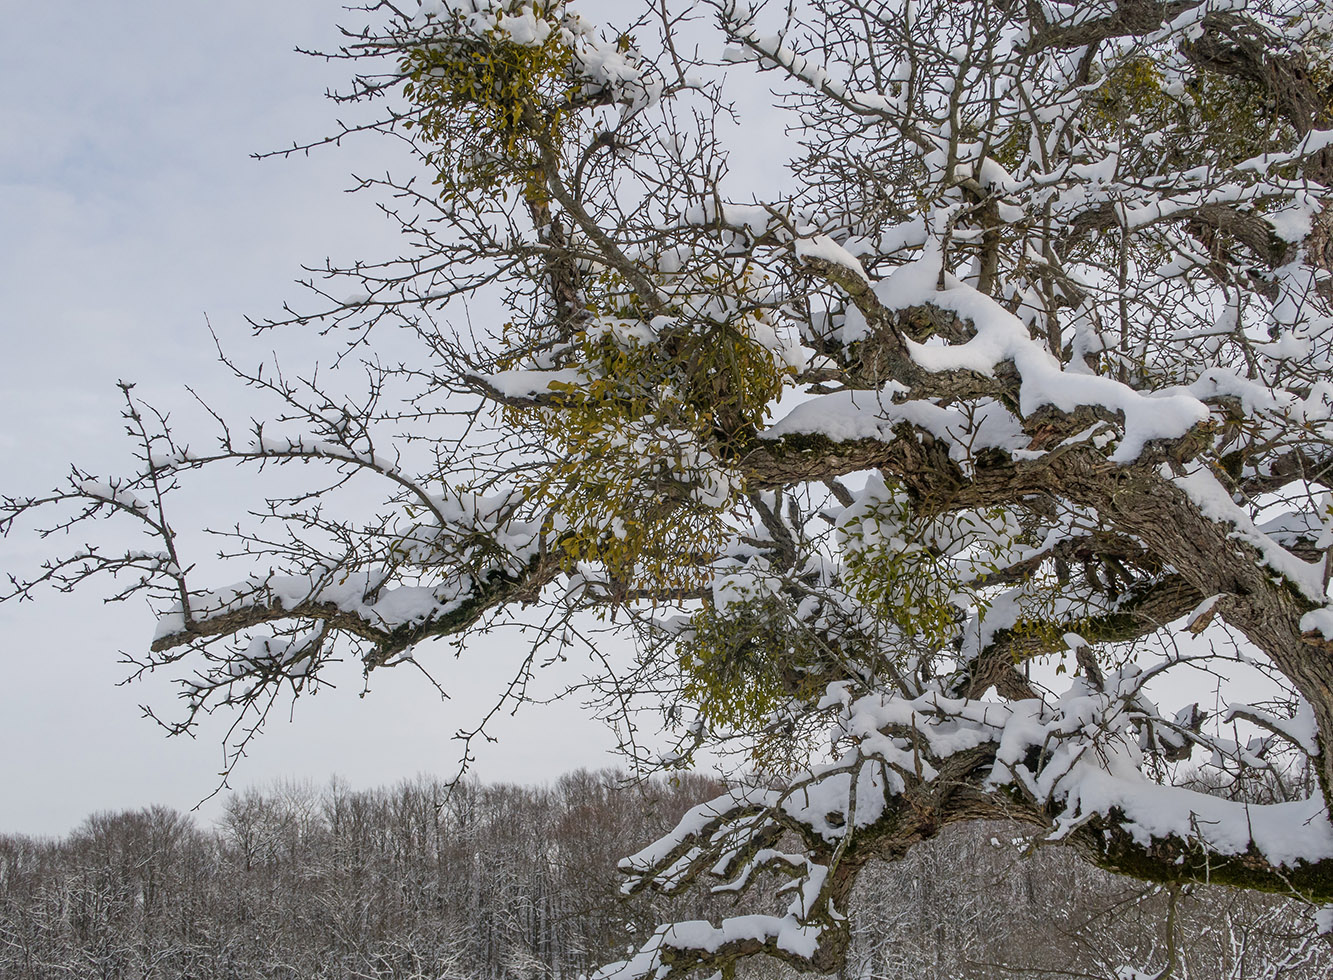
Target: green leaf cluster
(488,105)
(638,478)
(743,662)
(1197,118)
(895,565)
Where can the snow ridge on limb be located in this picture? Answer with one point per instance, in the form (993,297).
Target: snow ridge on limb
(913,765)
(996,337)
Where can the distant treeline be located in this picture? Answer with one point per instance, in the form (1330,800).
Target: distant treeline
(497,882)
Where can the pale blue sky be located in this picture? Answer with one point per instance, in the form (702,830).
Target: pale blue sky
(129,210)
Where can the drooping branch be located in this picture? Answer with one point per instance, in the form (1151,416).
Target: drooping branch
(392,620)
(917,766)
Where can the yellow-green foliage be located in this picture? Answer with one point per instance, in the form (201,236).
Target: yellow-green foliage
(718,378)
(638,478)
(1134,87)
(908,586)
(486,104)
(1211,114)
(627,495)
(741,664)
(894,567)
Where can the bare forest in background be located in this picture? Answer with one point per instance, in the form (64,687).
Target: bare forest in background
(500,882)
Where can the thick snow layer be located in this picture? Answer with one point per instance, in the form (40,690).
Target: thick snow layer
(787,933)
(315,447)
(1301,729)
(825,249)
(531,383)
(525,28)
(1000,337)
(694,822)
(478,529)
(390,609)
(848,415)
(1283,833)
(1105,780)
(1214,503)
(1319,621)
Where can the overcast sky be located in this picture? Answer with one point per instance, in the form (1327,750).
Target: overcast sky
(129,210)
